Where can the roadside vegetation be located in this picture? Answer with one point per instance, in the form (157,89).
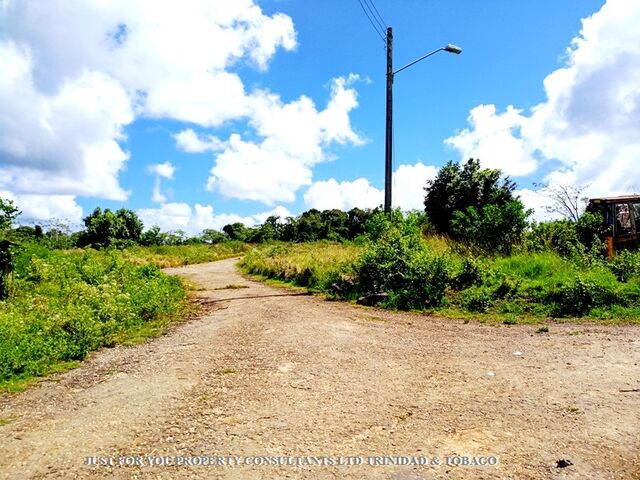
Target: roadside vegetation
(471,253)
(64,304)
(445,277)
(60,301)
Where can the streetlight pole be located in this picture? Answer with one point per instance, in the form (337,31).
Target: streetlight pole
(388,160)
(388,148)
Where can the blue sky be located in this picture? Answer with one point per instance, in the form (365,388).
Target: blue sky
(201,115)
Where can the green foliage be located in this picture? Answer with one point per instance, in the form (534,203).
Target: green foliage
(558,235)
(236,231)
(474,205)
(400,265)
(494,228)
(153,237)
(590,229)
(418,273)
(8,213)
(476,299)
(625,265)
(106,228)
(213,236)
(456,188)
(580,296)
(317,265)
(469,274)
(576,239)
(65,304)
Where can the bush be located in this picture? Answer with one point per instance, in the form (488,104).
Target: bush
(494,228)
(401,266)
(568,238)
(590,230)
(625,265)
(476,299)
(580,296)
(475,205)
(558,235)
(65,304)
(468,275)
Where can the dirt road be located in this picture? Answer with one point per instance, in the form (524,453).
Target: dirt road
(267,374)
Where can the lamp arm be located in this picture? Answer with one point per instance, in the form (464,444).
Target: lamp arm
(419,59)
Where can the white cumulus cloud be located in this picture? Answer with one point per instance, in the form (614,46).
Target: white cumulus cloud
(70,87)
(164,170)
(408,185)
(328,194)
(190,142)
(408,190)
(586,131)
(42,208)
(160,171)
(295,137)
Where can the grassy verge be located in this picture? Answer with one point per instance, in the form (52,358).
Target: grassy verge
(64,304)
(315,265)
(179,255)
(434,276)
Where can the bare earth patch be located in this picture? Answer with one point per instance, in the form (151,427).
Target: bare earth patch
(270,372)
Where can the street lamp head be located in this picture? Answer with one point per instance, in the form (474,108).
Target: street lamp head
(453,49)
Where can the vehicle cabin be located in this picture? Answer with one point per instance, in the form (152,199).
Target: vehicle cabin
(622,217)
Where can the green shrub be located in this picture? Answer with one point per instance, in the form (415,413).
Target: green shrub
(625,265)
(568,238)
(65,304)
(476,299)
(558,235)
(401,266)
(469,274)
(493,228)
(580,296)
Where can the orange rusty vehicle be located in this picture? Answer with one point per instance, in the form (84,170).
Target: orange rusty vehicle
(622,219)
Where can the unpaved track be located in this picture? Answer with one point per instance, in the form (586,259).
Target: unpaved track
(270,372)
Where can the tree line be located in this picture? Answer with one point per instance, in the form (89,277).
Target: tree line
(470,204)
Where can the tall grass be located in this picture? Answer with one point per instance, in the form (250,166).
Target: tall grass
(178,255)
(315,264)
(527,285)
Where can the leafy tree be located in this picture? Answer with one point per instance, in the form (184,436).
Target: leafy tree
(176,237)
(105,228)
(356,219)
(335,224)
(153,237)
(310,226)
(475,204)
(236,231)
(253,235)
(130,226)
(494,227)
(591,229)
(288,229)
(213,236)
(8,213)
(25,233)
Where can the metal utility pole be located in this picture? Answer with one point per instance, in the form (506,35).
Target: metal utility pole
(389,132)
(388,157)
